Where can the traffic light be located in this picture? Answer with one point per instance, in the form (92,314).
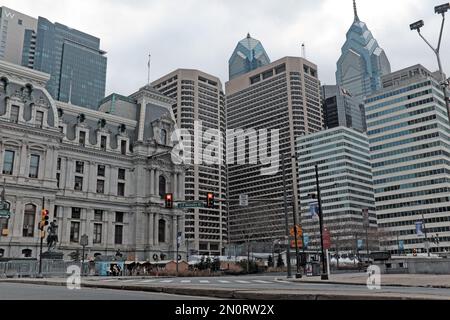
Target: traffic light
(210,200)
(45,216)
(169,200)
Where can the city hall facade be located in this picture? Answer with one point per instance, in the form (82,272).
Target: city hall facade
(101,173)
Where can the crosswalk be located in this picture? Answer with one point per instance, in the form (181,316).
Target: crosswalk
(191,281)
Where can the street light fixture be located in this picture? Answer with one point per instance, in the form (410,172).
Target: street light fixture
(441,9)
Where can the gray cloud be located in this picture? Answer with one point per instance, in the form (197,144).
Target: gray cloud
(202,34)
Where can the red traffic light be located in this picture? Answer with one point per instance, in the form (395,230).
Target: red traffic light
(210,200)
(169,201)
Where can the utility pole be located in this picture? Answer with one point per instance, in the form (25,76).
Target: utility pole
(288,245)
(319,199)
(427,244)
(41,235)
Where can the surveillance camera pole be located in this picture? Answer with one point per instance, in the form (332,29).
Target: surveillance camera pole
(444,82)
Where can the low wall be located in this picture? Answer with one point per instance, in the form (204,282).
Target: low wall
(415,266)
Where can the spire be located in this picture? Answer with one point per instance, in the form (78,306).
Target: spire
(355,10)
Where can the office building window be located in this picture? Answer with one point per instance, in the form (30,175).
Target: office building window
(98,233)
(121,189)
(162,186)
(58,164)
(82,139)
(39,119)
(15,114)
(27,253)
(29,220)
(101,186)
(101,171)
(34,166)
(8,162)
(118,235)
(78,183)
(121,174)
(76,213)
(74,231)
(58,179)
(79,167)
(103,143)
(119,217)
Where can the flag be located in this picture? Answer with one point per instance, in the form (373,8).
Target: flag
(419,228)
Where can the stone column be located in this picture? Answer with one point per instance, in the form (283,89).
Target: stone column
(92,178)
(110,229)
(69,174)
(155,228)
(23,167)
(152,182)
(181,186)
(151,230)
(17,218)
(156,182)
(175,187)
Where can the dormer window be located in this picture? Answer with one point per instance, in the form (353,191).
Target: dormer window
(103,140)
(39,119)
(163,137)
(82,138)
(15,114)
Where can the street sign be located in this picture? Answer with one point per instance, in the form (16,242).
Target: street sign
(299,244)
(5,214)
(84,241)
(243,200)
(190,205)
(299,231)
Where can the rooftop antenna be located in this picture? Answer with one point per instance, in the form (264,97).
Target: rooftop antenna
(303,51)
(355,10)
(148,65)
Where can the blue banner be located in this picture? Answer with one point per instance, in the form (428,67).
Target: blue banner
(419,228)
(401,245)
(314,209)
(305,241)
(360,244)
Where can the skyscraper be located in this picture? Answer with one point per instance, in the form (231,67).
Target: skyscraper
(248,55)
(14,26)
(284,96)
(75,62)
(362,62)
(341,109)
(408,133)
(345,177)
(200,97)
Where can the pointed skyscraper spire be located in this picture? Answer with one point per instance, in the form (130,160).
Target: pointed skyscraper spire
(355,10)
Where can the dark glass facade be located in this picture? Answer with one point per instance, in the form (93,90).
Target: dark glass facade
(75,62)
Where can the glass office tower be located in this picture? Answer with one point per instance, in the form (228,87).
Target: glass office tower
(75,62)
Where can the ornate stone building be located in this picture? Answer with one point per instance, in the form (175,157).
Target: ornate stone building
(101,173)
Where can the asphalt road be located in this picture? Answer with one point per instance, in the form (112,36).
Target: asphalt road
(271,283)
(18,291)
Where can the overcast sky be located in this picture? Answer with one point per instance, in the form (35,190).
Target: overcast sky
(202,34)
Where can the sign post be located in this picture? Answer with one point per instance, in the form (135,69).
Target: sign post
(190,205)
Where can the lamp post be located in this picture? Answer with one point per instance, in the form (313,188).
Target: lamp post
(288,245)
(324,264)
(442,9)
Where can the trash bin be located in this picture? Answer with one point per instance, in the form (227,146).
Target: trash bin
(316,269)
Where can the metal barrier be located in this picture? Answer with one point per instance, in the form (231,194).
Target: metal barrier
(21,269)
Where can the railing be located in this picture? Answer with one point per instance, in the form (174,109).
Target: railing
(30,269)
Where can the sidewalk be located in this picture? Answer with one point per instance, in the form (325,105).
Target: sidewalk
(397,280)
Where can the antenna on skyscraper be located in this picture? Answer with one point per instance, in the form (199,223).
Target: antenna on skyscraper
(149,61)
(303,51)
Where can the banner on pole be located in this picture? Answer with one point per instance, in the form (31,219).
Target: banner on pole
(419,229)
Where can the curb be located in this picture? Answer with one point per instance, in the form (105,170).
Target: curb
(237,294)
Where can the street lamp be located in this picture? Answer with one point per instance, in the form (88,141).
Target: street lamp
(441,9)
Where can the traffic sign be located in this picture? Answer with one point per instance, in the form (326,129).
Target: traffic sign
(299,231)
(84,241)
(4,205)
(5,214)
(243,200)
(190,205)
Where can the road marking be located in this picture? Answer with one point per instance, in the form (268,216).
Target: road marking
(185,281)
(133,280)
(204,281)
(242,281)
(166,281)
(147,281)
(224,281)
(262,281)
(109,280)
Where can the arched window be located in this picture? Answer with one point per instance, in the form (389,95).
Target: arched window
(2,252)
(163,137)
(162,231)
(4,221)
(29,220)
(162,186)
(27,253)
